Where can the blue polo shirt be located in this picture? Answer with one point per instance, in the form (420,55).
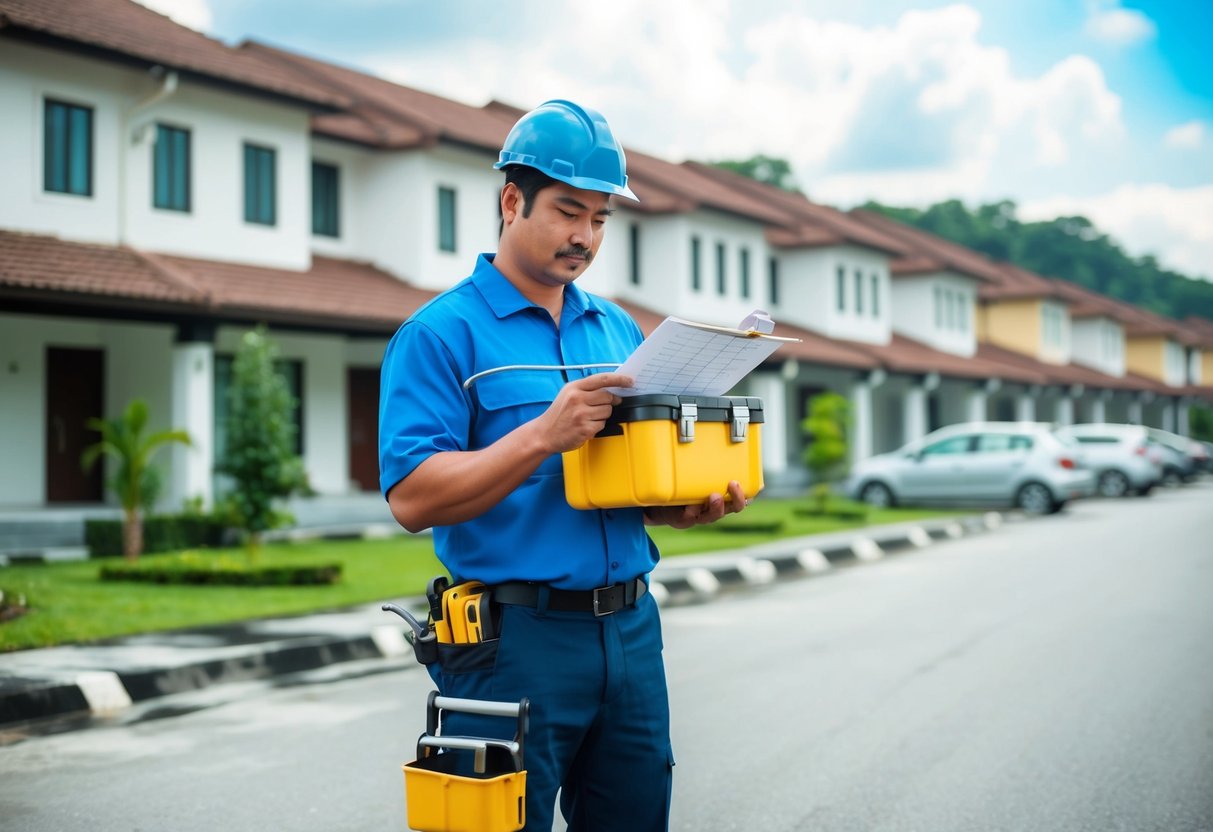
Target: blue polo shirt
(479,324)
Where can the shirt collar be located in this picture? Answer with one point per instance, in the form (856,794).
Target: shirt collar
(505,299)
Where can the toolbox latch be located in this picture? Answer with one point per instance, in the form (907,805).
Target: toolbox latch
(688,414)
(740,423)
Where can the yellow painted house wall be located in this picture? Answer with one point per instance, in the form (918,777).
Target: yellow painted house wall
(1013,325)
(1206,365)
(1146,355)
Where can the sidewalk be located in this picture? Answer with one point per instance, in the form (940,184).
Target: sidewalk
(108,676)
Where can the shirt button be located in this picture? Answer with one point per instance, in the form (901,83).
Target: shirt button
(614,564)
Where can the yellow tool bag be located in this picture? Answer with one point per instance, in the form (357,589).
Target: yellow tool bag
(467,784)
(667,450)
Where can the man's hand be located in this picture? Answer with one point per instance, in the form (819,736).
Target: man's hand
(709,511)
(580,410)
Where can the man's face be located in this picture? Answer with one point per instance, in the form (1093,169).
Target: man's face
(559,239)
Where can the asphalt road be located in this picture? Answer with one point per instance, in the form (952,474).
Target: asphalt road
(1054,675)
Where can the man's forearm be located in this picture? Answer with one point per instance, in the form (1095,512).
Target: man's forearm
(454,486)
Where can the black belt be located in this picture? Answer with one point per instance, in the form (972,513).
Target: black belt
(602,601)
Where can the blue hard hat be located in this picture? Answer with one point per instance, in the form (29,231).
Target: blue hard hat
(571,144)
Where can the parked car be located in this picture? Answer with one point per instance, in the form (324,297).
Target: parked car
(1119,456)
(1021,464)
(1181,461)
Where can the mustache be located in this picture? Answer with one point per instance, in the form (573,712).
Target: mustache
(576,251)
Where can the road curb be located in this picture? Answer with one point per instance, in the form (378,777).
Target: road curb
(677,581)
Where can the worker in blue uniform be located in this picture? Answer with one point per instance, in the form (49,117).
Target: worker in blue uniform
(578,634)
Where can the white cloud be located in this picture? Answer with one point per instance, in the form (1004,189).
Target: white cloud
(1188,136)
(1117,26)
(1173,224)
(196,14)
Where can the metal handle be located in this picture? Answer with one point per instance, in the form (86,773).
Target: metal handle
(479,746)
(479,707)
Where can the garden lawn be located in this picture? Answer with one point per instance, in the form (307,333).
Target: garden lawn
(69,604)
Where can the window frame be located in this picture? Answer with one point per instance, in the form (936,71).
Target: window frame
(722,283)
(773,280)
(331,210)
(840,288)
(173,202)
(256,188)
(696,263)
(448,219)
(743,264)
(50,157)
(634,254)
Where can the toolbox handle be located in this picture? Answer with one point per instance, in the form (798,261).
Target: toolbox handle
(437,703)
(478,745)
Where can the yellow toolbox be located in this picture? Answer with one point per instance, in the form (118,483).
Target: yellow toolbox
(668,450)
(475,784)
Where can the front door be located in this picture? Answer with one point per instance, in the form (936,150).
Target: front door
(75,392)
(363,395)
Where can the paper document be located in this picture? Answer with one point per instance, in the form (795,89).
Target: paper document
(687,358)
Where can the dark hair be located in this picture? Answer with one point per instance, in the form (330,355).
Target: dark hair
(529,181)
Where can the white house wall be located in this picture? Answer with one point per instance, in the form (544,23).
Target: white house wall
(120,207)
(809,292)
(914,313)
(138,363)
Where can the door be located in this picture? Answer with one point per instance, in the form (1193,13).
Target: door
(75,392)
(996,465)
(363,396)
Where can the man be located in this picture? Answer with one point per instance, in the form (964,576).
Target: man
(579,635)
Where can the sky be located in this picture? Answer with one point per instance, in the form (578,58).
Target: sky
(1096,107)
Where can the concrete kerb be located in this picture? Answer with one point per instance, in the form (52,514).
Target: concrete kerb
(42,684)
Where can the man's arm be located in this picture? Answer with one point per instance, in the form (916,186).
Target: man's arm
(454,486)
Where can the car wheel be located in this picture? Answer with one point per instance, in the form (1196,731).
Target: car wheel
(1171,478)
(877,495)
(1113,484)
(1035,498)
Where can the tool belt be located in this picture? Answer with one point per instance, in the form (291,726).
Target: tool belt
(602,601)
(470,612)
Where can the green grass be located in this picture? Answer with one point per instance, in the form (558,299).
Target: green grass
(69,604)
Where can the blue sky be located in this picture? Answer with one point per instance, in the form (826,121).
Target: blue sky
(1100,107)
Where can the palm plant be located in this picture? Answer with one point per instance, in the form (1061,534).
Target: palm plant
(135,481)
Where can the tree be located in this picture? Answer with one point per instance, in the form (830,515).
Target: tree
(768,169)
(826,427)
(259,454)
(135,481)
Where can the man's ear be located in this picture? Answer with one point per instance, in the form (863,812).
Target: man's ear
(511,203)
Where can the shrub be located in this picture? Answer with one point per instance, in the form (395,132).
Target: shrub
(161,533)
(189,568)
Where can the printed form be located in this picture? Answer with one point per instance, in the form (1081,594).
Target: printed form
(687,358)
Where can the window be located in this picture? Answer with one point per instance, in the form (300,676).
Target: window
(938,308)
(67,155)
(1052,325)
(634,249)
(954,445)
(721,285)
(326,196)
(171,169)
(858,292)
(696,267)
(949,319)
(260,185)
(962,311)
(773,280)
(745,272)
(993,442)
(446,219)
(840,288)
(875,296)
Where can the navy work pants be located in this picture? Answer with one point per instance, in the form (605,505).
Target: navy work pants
(600,723)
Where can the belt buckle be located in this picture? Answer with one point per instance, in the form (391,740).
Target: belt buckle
(599,611)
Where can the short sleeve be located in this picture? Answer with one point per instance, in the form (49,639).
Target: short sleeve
(423,409)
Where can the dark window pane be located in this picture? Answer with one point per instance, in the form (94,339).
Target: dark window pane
(326,189)
(67,148)
(721,285)
(634,251)
(773,279)
(446,219)
(745,272)
(696,272)
(170,174)
(260,182)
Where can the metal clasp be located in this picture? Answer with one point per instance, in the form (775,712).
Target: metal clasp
(688,414)
(600,604)
(740,423)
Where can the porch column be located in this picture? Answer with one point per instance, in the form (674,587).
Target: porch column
(1098,413)
(975,404)
(1064,413)
(193,411)
(861,410)
(1168,416)
(772,389)
(1135,411)
(914,413)
(1025,406)
(1183,426)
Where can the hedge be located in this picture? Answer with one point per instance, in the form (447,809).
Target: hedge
(161,533)
(191,569)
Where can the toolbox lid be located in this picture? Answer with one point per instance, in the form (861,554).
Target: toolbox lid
(667,406)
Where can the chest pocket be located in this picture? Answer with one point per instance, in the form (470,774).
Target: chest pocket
(509,399)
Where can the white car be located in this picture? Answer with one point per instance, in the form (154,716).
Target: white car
(1119,455)
(1021,464)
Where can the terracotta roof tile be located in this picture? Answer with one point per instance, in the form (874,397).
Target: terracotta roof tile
(932,252)
(1065,374)
(1013,282)
(332,293)
(1085,303)
(125,28)
(906,355)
